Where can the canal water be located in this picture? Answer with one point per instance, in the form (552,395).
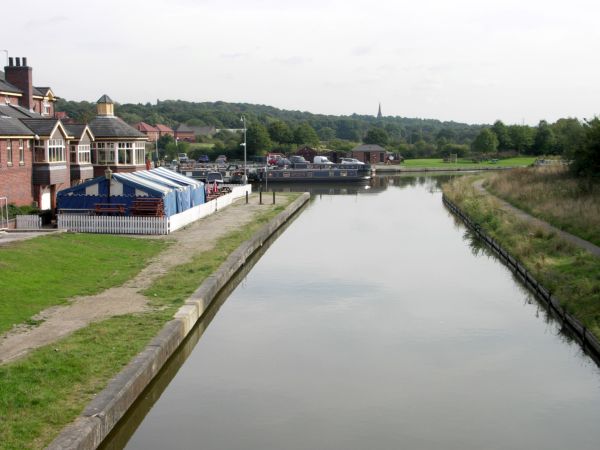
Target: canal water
(375,321)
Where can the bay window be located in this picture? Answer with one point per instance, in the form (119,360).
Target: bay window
(140,152)
(56,150)
(105,153)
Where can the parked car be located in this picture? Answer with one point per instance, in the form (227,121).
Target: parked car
(321,160)
(203,159)
(283,162)
(182,157)
(297,159)
(214,177)
(221,159)
(351,161)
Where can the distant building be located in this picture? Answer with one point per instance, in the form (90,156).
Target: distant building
(307,152)
(379,115)
(164,130)
(185,133)
(151,132)
(369,153)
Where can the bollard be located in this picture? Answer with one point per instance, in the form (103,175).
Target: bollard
(246,197)
(260,196)
(273,197)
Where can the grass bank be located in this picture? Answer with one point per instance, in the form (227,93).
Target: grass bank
(44,392)
(47,271)
(466,163)
(554,195)
(572,274)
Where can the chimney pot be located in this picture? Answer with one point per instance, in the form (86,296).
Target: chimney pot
(10,61)
(24,62)
(18,61)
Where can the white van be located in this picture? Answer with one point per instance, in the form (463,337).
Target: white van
(321,160)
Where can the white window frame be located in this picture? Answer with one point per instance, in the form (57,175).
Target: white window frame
(105,153)
(9,153)
(39,147)
(83,153)
(56,150)
(140,152)
(125,153)
(21,153)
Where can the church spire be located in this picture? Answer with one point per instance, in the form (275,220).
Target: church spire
(379,115)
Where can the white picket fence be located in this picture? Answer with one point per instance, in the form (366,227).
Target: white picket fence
(29,222)
(148,225)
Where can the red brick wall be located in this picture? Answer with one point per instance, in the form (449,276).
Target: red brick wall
(12,99)
(15,181)
(21,77)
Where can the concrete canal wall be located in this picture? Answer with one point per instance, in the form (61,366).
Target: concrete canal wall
(588,341)
(102,414)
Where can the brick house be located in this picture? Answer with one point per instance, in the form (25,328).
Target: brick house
(15,161)
(152,132)
(164,130)
(116,145)
(369,153)
(185,133)
(33,164)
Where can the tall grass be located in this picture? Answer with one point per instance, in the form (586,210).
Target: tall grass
(571,273)
(554,195)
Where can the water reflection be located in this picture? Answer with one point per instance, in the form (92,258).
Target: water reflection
(372,323)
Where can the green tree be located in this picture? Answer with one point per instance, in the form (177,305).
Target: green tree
(522,137)
(326,134)
(257,139)
(377,136)
(569,134)
(305,134)
(280,132)
(165,140)
(586,158)
(485,142)
(501,132)
(544,142)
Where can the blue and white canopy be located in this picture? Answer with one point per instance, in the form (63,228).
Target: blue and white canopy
(178,192)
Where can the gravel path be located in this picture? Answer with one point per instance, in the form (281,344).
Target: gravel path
(59,321)
(581,243)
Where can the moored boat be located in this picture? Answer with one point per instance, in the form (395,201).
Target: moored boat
(316,172)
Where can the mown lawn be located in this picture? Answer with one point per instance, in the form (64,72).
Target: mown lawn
(49,270)
(570,273)
(440,164)
(42,393)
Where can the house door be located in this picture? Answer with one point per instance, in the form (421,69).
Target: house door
(367,157)
(46,199)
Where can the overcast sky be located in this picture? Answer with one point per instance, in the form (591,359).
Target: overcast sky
(471,61)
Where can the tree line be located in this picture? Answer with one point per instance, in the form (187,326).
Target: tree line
(273,129)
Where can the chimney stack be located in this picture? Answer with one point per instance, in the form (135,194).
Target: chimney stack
(21,77)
